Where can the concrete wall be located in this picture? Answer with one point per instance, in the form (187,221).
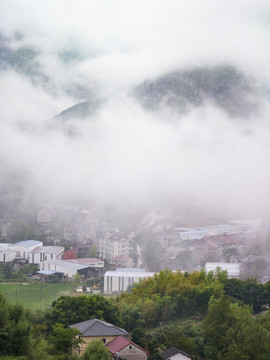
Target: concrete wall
(132,352)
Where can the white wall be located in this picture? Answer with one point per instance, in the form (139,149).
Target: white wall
(7,256)
(119,282)
(23,251)
(69,272)
(39,256)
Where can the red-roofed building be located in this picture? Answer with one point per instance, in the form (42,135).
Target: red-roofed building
(123,348)
(207,246)
(70,254)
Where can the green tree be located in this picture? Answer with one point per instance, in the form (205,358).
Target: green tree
(131,316)
(231,333)
(69,310)
(63,339)
(251,341)
(93,251)
(216,325)
(4,325)
(96,351)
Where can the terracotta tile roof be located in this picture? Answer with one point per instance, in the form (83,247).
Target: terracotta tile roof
(70,254)
(120,343)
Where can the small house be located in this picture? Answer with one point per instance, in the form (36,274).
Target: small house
(124,348)
(174,353)
(95,329)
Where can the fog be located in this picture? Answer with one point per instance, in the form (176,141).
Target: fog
(101,51)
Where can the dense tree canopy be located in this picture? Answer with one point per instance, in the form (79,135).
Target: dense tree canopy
(207,315)
(70,310)
(96,351)
(168,296)
(231,333)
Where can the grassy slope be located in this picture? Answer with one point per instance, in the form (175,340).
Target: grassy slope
(35,295)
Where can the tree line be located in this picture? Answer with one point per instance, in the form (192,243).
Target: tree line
(206,315)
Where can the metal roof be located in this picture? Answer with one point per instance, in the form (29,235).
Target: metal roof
(4,245)
(7,252)
(218,226)
(133,274)
(86,261)
(95,327)
(66,264)
(27,243)
(129,270)
(48,249)
(48,272)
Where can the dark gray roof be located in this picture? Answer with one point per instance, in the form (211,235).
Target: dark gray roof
(95,327)
(171,352)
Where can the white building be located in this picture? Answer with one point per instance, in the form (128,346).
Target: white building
(120,279)
(4,246)
(23,248)
(233,269)
(91,262)
(44,253)
(7,256)
(219,229)
(66,267)
(192,235)
(248,225)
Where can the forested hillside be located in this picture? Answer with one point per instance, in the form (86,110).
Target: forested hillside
(208,316)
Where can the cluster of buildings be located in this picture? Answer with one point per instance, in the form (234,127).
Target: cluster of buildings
(117,341)
(223,245)
(50,259)
(211,240)
(53,260)
(84,232)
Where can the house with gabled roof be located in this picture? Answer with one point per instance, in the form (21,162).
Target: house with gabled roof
(174,353)
(95,329)
(123,348)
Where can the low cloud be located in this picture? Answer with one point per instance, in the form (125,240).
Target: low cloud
(104,50)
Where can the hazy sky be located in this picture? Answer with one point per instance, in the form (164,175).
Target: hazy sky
(124,152)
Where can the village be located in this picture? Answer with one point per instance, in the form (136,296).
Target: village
(108,260)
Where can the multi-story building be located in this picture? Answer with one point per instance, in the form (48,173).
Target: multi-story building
(113,244)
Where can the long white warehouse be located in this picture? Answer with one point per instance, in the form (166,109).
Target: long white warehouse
(120,280)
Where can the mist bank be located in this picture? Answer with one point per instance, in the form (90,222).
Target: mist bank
(169,110)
